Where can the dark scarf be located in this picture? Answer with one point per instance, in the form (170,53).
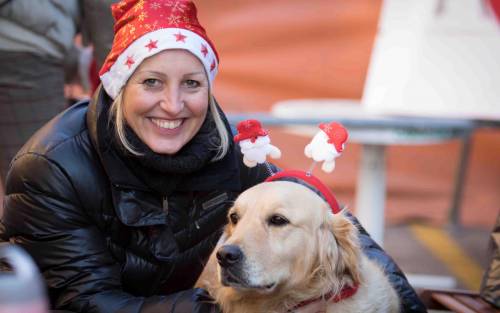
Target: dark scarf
(190,169)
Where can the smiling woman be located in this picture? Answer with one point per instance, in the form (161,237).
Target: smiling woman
(133,186)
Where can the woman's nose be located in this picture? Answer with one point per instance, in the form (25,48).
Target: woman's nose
(172,101)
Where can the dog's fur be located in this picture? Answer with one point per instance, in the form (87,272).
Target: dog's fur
(286,261)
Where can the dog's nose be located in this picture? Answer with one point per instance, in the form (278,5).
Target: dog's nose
(228,255)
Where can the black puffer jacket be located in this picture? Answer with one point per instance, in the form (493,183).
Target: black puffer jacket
(101,237)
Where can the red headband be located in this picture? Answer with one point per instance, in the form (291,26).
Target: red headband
(313,182)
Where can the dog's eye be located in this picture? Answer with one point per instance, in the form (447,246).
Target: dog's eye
(277,220)
(233,217)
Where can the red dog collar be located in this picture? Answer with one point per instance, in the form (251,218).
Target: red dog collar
(345,293)
(312,183)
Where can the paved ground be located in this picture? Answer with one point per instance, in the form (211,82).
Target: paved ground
(439,257)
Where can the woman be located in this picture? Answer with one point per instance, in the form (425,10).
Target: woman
(121,200)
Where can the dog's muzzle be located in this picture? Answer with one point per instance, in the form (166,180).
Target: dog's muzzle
(231,260)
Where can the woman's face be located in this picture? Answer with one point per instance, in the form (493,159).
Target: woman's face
(165,101)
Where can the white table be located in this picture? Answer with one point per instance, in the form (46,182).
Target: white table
(374,132)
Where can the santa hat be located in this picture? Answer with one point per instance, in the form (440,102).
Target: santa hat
(145,27)
(337,134)
(249,129)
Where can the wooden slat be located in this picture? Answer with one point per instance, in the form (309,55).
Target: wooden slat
(475,303)
(463,301)
(451,303)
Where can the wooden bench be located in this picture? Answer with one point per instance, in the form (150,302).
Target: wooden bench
(460,301)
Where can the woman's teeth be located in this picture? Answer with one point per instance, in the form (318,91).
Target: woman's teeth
(171,124)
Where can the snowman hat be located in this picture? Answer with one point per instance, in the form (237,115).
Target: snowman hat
(249,129)
(337,134)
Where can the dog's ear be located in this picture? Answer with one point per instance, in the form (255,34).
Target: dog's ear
(339,250)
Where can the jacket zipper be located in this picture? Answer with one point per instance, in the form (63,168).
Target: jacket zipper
(193,213)
(164,202)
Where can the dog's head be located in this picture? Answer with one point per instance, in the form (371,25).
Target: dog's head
(283,237)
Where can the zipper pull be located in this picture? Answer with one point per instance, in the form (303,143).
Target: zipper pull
(165,204)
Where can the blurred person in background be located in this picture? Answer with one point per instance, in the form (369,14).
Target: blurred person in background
(37,52)
(97,27)
(97,33)
(490,284)
(121,199)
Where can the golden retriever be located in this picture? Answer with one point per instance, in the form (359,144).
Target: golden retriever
(283,250)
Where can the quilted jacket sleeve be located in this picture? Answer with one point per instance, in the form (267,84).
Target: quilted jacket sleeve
(44,215)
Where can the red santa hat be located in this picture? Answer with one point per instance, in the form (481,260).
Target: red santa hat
(249,129)
(145,27)
(337,134)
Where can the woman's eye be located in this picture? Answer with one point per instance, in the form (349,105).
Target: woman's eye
(151,82)
(233,217)
(192,83)
(277,220)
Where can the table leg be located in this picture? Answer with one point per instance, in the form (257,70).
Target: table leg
(458,189)
(371,191)
(2,194)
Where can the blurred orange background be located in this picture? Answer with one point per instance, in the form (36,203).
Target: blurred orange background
(275,50)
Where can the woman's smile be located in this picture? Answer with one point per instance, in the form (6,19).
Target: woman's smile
(167,124)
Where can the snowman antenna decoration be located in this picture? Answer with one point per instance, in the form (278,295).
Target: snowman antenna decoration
(327,145)
(255,143)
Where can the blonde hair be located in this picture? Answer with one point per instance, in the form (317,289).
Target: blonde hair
(117,117)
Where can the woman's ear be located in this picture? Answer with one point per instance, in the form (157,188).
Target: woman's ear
(339,250)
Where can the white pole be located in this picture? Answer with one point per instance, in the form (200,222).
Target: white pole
(371,191)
